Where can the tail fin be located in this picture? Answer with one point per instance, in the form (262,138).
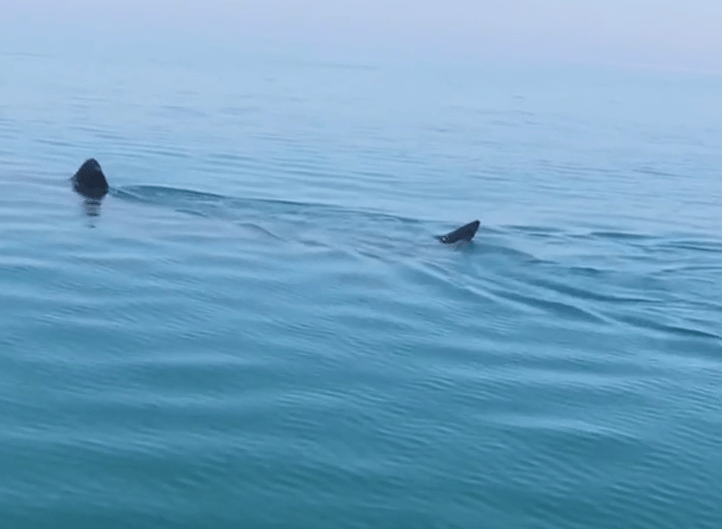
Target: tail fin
(465,233)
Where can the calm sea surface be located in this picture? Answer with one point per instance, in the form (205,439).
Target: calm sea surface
(257,328)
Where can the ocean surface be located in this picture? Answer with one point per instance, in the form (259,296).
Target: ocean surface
(256,328)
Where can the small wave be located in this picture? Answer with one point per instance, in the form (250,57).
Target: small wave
(581,293)
(188,198)
(621,235)
(489,249)
(589,271)
(565,310)
(175,110)
(676,330)
(158,193)
(261,229)
(681,269)
(655,172)
(537,230)
(705,246)
(54,142)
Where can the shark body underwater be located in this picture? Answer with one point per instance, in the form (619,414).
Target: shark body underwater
(90,182)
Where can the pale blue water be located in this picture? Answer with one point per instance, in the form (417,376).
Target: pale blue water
(259,329)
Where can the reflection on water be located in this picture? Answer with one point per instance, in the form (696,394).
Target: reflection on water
(92,206)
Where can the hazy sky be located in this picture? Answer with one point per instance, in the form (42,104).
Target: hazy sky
(665,33)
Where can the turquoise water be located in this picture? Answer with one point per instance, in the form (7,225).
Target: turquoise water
(256,328)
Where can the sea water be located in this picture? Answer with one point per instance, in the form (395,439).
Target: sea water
(257,327)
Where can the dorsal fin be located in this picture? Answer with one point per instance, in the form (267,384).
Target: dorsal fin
(89,180)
